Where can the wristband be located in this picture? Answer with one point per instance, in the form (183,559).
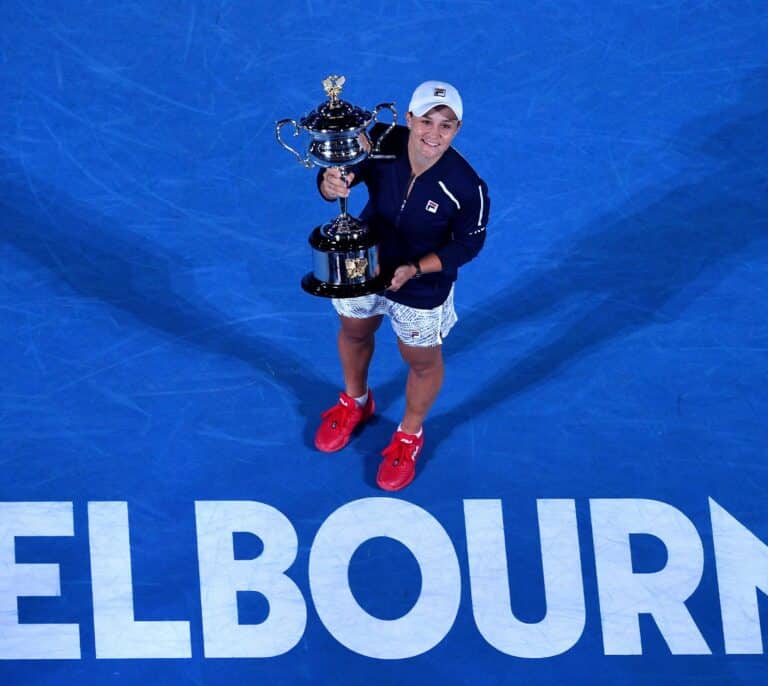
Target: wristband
(418,269)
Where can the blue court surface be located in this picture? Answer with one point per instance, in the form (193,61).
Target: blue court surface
(590,507)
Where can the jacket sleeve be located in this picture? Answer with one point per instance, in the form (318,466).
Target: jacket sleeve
(468,230)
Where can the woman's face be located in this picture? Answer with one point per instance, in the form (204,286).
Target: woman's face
(432,133)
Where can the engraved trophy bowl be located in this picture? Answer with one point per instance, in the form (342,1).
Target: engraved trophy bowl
(345,254)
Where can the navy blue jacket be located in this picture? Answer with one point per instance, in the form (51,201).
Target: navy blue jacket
(445,213)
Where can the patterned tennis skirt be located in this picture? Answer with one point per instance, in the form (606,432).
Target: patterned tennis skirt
(419,328)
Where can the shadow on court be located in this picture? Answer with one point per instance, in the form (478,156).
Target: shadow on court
(97,259)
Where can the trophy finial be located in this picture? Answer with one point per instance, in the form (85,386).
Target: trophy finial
(332,86)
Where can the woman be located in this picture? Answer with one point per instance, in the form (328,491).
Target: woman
(430,210)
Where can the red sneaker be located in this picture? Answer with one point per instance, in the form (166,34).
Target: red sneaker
(340,421)
(399,466)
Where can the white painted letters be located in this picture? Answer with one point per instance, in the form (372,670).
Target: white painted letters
(564,622)
(623,590)
(433,614)
(625,594)
(222,576)
(118,634)
(32,641)
(742,567)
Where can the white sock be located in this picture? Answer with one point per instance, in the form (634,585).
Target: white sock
(418,435)
(361,400)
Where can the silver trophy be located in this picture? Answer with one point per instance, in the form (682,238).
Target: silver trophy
(344,250)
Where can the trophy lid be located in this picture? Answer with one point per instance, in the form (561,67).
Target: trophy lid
(336,115)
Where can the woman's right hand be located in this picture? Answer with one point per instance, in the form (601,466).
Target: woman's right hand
(332,186)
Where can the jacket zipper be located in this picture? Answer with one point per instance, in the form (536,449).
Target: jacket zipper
(409,188)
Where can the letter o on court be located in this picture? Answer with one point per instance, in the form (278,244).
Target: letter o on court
(433,613)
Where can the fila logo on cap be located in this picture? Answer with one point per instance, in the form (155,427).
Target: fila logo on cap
(440,92)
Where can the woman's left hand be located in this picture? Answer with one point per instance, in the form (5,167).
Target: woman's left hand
(404,273)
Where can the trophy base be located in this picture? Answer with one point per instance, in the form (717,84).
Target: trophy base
(314,286)
(345,260)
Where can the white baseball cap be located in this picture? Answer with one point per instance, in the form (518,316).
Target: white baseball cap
(433,93)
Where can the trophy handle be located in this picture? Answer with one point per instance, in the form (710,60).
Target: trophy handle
(375,154)
(279,125)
